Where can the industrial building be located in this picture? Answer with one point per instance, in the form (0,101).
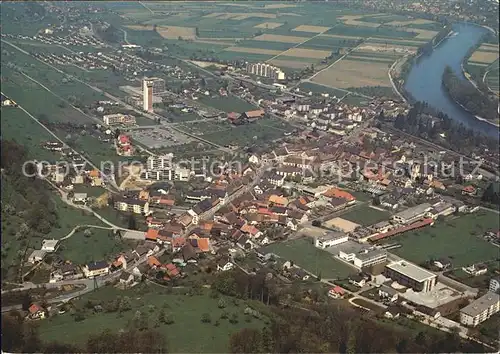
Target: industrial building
(412,214)
(369,258)
(265,70)
(114,119)
(480,310)
(331,239)
(410,275)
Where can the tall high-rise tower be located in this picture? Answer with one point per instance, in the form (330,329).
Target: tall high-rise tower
(147,95)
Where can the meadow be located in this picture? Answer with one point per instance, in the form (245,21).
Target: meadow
(187,333)
(456,238)
(366,216)
(303,253)
(95,245)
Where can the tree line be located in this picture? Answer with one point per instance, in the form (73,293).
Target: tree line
(467,95)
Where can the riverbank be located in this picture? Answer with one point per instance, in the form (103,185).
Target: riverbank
(424,80)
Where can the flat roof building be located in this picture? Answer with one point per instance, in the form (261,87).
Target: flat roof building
(370,258)
(410,275)
(480,310)
(412,214)
(331,239)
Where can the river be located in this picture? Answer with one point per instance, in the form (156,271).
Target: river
(424,79)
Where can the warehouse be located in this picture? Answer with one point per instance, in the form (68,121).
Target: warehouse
(412,214)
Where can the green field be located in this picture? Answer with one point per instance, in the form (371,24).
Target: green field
(15,124)
(186,335)
(263,131)
(303,253)
(455,238)
(366,216)
(228,104)
(307,87)
(100,244)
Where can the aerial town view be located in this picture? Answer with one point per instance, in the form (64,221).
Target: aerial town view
(250,176)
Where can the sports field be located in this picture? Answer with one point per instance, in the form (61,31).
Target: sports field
(303,253)
(457,239)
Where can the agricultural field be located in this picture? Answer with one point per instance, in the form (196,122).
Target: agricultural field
(366,215)
(354,73)
(228,104)
(291,64)
(307,87)
(187,333)
(456,238)
(483,57)
(303,253)
(269,25)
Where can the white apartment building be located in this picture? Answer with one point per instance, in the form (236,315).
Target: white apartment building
(113,119)
(480,310)
(147,95)
(163,162)
(265,70)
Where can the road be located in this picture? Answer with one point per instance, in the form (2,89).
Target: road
(389,73)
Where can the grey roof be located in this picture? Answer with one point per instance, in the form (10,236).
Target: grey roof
(373,254)
(483,303)
(414,211)
(388,290)
(411,271)
(332,235)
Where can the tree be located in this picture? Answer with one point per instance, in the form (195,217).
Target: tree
(221,304)
(248,340)
(316,223)
(132,222)
(162,316)
(205,318)
(234,318)
(125,304)
(131,341)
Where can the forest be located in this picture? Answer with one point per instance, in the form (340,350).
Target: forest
(464,92)
(27,208)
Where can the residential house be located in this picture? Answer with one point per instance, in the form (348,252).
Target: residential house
(95,269)
(469,190)
(442,263)
(336,292)
(224,264)
(134,205)
(126,278)
(49,245)
(189,253)
(357,280)
(36,312)
(36,256)
(80,198)
(392,312)
(388,293)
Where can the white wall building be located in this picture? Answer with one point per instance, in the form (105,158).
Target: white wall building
(331,239)
(480,310)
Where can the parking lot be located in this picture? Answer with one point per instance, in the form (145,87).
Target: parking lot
(159,137)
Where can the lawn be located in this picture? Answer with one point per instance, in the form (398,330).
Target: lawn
(114,216)
(70,217)
(453,238)
(366,215)
(100,244)
(186,335)
(312,259)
